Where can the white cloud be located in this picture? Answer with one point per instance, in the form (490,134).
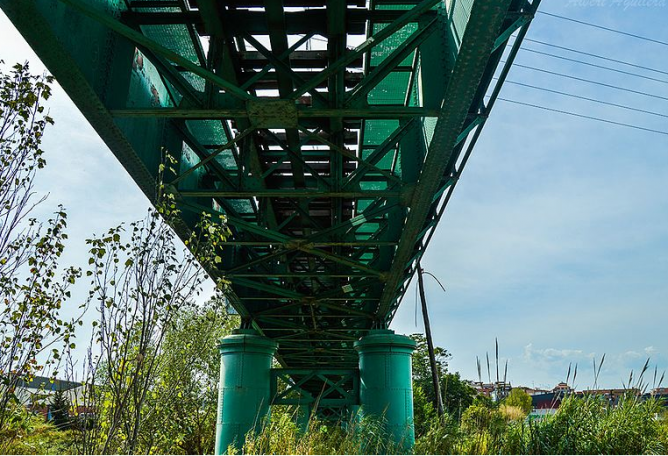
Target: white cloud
(651,351)
(631,355)
(553,354)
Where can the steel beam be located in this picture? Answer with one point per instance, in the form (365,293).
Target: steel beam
(370,112)
(139,38)
(329,200)
(477,45)
(389,64)
(408,16)
(289,193)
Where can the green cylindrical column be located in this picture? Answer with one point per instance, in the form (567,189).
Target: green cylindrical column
(386,387)
(244,389)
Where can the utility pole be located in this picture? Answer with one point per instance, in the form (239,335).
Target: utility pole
(430,345)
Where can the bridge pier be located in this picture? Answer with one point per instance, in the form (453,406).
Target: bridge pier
(386,389)
(244,390)
(248,385)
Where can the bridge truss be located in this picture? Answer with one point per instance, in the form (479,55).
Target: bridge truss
(329,133)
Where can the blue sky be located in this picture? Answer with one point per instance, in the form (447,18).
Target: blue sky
(556,239)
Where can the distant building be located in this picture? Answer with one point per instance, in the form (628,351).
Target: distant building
(612,395)
(36,394)
(659,392)
(546,403)
(484,389)
(531,391)
(496,391)
(562,388)
(43,387)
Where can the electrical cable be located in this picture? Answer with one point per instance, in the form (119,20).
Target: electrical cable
(598,56)
(603,84)
(603,67)
(580,97)
(608,29)
(583,116)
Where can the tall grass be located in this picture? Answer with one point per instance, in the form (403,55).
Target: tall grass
(582,425)
(589,425)
(281,435)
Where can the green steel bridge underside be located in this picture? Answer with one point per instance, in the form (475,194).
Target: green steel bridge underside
(329,133)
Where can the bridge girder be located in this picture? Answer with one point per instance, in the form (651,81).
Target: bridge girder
(332,161)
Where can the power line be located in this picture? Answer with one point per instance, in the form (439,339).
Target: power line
(589,24)
(598,56)
(580,97)
(603,67)
(603,84)
(583,116)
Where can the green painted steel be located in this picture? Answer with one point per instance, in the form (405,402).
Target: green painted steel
(386,386)
(244,393)
(335,387)
(328,134)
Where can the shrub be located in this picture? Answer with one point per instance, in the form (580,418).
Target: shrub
(520,399)
(440,436)
(478,419)
(26,433)
(512,413)
(590,425)
(424,414)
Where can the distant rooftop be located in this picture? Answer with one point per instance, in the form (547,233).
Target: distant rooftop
(48,384)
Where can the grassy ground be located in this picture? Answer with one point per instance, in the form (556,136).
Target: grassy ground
(582,425)
(27,434)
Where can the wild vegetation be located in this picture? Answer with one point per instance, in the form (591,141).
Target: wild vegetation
(149,378)
(33,287)
(144,360)
(582,425)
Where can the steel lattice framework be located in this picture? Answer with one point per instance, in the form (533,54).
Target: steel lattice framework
(329,133)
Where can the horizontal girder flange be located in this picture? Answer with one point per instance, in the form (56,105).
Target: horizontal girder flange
(302,112)
(321,157)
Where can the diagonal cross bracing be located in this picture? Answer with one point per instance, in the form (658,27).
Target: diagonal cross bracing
(330,135)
